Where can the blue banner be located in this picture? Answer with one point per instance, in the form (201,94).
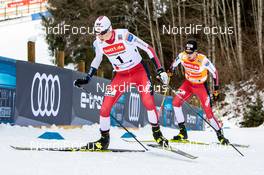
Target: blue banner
(192,120)
(45,95)
(7,89)
(38,16)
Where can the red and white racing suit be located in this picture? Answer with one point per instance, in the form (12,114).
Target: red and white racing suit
(196,72)
(122,52)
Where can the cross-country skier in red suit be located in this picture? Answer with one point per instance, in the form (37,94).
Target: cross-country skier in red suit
(196,66)
(121,48)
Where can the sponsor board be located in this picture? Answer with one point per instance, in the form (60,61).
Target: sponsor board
(46,95)
(193,121)
(43,93)
(7,89)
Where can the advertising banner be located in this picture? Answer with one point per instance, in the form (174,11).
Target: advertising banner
(7,89)
(86,104)
(19,8)
(19,3)
(128,110)
(192,120)
(44,94)
(135,113)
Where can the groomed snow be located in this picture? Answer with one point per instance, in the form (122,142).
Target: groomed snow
(213,160)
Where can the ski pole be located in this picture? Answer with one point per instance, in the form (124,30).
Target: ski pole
(189,106)
(120,124)
(193,110)
(165,94)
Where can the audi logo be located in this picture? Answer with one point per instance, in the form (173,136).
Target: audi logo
(45,95)
(134,107)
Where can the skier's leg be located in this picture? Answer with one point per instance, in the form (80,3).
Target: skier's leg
(201,93)
(112,94)
(148,101)
(144,87)
(204,97)
(178,100)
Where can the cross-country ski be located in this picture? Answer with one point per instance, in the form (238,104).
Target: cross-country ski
(75,149)
(190,142)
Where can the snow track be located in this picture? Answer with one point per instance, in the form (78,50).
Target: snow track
(216,160)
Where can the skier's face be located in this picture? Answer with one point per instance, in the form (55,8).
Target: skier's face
(191,56)
(105,36)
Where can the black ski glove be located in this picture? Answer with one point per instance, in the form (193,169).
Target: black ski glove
(79,82)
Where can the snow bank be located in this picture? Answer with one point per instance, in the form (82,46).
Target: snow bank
(237,97)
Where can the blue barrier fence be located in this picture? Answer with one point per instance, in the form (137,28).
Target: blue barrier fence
(7,89)
(37,16)
(37,94)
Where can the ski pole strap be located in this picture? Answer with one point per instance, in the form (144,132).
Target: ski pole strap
(91,72)
(163,100)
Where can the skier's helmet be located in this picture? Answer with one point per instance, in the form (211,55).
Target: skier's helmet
(102,25)
(191,46)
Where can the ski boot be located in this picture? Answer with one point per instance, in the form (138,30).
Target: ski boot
(101,144)
(183,133)
(221,138)
(159,138)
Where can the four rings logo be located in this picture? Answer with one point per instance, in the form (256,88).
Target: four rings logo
(134,107)
(45,95)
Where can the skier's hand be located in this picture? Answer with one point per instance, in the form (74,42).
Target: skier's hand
(172,70)
(170,73)
(216,93)
(163,76)
(79,82)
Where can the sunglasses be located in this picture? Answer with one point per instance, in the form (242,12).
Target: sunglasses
(189,52)
(102,33)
